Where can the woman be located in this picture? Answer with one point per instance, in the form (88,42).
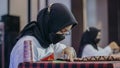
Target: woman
(89,44)
(52,23)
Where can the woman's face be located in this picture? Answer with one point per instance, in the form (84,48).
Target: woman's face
(98,35)
(63,31)
(97,40)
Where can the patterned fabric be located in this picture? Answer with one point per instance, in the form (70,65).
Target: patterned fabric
(86,62)
(94,58)
(98,58)
(65,65)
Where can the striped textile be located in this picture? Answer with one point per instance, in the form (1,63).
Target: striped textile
(45,64)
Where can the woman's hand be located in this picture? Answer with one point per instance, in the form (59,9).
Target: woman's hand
(70,53)
(114,45)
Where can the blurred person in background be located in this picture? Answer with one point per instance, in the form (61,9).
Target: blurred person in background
(89,44)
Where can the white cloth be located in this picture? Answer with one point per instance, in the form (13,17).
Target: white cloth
(89,50)
(16,56)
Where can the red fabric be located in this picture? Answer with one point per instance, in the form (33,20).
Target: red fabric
(48,58)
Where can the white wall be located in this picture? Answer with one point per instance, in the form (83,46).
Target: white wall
(41,4)
(102,20)
(91,13)
(89,16)
(3,7)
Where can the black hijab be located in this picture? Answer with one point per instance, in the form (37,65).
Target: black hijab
(89,37)
(49,20)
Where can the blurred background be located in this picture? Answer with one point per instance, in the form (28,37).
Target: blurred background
(15,14)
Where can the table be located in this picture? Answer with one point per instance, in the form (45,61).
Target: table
(57,64)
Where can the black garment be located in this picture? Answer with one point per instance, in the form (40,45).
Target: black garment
(49,23)
(89,37)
